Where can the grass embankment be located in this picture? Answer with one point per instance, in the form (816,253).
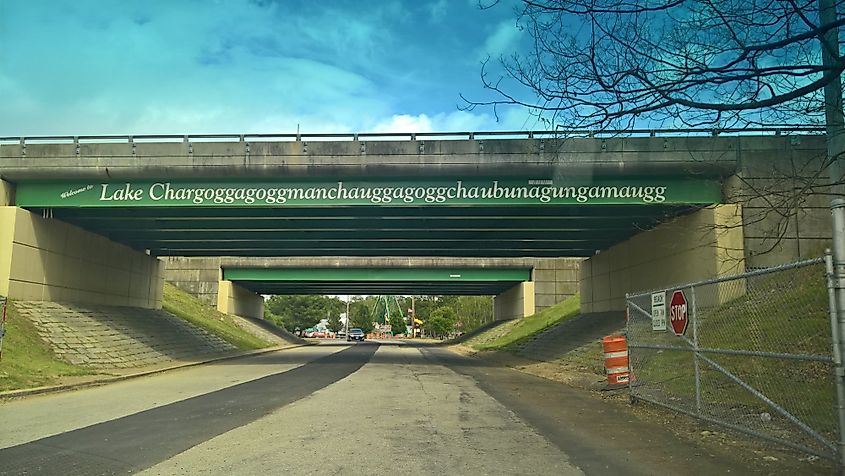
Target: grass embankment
(526,327)
(183,305)
(782,313)
(27,361)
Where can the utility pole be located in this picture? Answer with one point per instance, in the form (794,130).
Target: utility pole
(834,119)
(347,315)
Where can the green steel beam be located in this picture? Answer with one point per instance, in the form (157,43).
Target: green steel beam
(356,224)
(421,252)
(464,288)
(366,235)
(450,231)
(383,212)
(451,275)
(353,244)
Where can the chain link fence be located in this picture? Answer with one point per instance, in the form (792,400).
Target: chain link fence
(752,352)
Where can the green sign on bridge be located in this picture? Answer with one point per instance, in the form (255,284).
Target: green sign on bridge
(433,192)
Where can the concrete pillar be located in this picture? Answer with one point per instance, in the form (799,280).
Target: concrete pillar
(555,280)
(7,194)
(515,303)
(704,244)
(49,260)
(233,299)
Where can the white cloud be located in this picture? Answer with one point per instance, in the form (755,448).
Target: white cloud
(91,67)
(441,122)
(502,41)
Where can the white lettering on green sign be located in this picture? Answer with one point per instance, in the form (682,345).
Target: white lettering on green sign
(222,194)
(376,191)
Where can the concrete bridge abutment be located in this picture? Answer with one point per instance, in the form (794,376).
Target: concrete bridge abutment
(234,299)
(42,259)
(515,303)
(704,244)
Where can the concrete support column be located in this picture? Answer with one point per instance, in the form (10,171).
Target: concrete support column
(7,194)
(516,302)
(233,299)
(44,259)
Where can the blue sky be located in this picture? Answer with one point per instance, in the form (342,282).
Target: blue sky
(249,66)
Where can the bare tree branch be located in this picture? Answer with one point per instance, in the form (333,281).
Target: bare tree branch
(605,63)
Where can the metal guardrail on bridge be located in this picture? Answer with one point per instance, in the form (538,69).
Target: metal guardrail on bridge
(462,135)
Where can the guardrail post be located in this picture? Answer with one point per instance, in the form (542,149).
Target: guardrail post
(837,208)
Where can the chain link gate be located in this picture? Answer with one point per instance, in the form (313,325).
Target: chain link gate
(751,352)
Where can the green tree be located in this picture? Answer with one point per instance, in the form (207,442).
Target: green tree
(360,310)
(397,324)
(334,323)
(441,322)
(473,312)
(274,319)
(304,311)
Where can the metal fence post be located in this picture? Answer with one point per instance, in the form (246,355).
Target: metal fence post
(628,345)
(837,353)
(837,208)
(694,316)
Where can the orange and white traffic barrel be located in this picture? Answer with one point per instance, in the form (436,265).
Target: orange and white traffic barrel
(616,359)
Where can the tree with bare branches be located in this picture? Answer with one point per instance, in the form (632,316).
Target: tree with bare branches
(615,64)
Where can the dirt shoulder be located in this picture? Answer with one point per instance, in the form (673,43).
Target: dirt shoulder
(579,370)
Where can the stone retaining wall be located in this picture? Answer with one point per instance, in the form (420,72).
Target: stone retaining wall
(108,337)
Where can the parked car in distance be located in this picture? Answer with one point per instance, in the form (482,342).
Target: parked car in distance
(355,334)
(340,334)
(315,333)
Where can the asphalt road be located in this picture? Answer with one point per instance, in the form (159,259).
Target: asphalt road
(338,409)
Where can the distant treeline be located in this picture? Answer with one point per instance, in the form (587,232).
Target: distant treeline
(441,315)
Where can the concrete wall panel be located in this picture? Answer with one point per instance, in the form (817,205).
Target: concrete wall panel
(45,259)
(701,245)
(543,301)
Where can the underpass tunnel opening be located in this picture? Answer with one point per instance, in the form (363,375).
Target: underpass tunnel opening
(511,289)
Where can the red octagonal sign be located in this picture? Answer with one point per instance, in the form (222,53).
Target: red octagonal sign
(678,317)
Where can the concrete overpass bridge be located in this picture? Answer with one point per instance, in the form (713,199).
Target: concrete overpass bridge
(644,209)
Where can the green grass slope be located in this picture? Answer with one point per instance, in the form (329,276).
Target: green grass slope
(528,326)
(27,361)
(785,313)
(183,305)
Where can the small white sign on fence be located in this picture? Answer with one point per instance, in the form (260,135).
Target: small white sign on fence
(658,311)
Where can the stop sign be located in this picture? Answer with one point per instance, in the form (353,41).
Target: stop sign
(678,317)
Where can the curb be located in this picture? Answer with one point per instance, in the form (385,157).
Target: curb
(117,378)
